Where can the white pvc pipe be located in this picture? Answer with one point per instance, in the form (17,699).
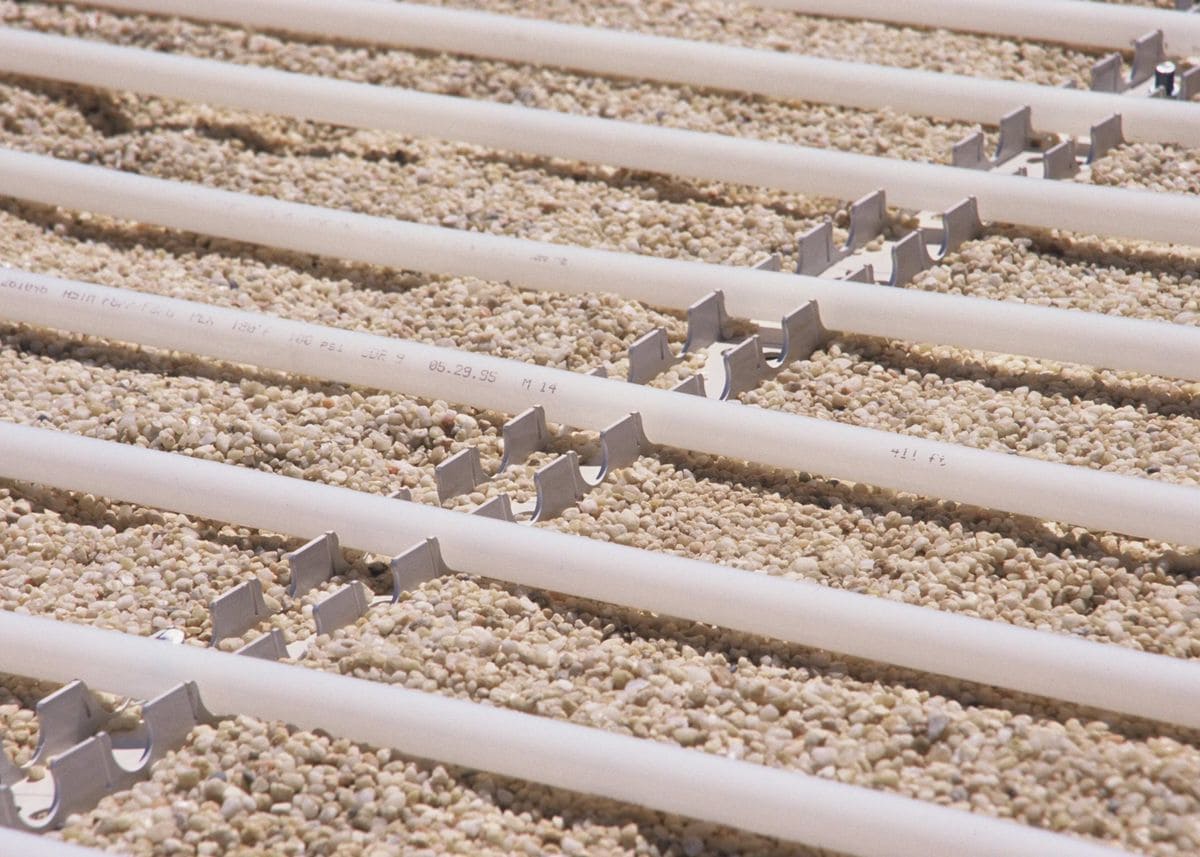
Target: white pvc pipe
(15,843)
(1026,486)
(1059,666)
(1077,207)
(1005,326)
(1074,22)
(769,801)
(636,55)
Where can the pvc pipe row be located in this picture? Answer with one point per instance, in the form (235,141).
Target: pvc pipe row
(636,55)
(1059,666)
(1074,22)
(1011,483)
(1005,326)
(769,801)
(1077,207)
(16,843)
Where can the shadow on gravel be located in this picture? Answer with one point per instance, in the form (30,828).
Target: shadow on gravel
(827,493)
(1152,394)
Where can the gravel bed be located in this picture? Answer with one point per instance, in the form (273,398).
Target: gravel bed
(242,786)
